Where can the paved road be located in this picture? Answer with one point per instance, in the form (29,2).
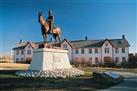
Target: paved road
(129,84)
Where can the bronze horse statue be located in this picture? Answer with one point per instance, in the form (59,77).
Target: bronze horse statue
(47,27)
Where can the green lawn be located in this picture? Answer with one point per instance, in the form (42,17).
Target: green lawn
(85,82)
(8,76)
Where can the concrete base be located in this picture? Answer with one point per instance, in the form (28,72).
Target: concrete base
(49,59)
(53,63)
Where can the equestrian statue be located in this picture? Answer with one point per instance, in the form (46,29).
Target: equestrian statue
(48,28)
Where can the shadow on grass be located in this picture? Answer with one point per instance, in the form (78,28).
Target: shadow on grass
(37,84)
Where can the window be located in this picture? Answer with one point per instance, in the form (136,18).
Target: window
(117,59)
(96,60)
(17,52)
(106,44)
(90,50)
(123,59)
(17,59)
(76,51)
(29,52)
(28,46)
(22,59)
(116,50)
(96,50)
(64,45)
(22,52)
(82,51)
(90,60)
(106,50)
(123,50)
(119,42)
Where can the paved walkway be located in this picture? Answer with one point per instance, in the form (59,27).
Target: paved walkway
(129,84)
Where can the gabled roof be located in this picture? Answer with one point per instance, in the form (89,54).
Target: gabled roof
(67,42)
(24,45)
(120,42)
(20,47)
(83,43)
(98,43)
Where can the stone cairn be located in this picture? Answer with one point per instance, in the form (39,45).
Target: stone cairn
(56,73)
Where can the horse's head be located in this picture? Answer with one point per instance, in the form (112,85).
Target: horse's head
(40,17)
(42,21)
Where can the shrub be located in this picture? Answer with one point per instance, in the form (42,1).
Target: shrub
(124,64)
(111,64)
(132,61)
(28,60)
(77,61)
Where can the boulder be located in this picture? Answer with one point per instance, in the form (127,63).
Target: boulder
(107,77)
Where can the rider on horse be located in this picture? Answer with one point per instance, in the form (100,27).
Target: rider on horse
(50,20)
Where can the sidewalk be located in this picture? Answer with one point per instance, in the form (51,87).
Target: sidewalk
(129,84)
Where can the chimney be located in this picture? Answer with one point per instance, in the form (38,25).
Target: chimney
(21,41)
(123,36)
(86,38)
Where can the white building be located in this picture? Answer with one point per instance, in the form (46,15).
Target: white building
(98,51)
(91,51)
(23,51)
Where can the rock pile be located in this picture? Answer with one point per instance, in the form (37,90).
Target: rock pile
(55,73)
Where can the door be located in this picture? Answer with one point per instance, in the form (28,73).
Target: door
(107,60)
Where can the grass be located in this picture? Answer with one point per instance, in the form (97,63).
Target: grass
(85,82)
(80,83)
(8,76)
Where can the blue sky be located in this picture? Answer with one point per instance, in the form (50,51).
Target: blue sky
(97,19)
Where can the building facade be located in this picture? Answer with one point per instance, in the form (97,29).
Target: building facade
(98,51)
(93,52)
(23,52)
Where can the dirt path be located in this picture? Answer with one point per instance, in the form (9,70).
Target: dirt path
(13,66)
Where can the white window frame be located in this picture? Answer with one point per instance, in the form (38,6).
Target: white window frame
(96,50)
(82,51)
(17,52)
(76,51)
(123,50)
(106,50)
(28,52)
(90,50)
(116,50)
(65,45)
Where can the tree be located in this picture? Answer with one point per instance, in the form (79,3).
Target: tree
(132,61)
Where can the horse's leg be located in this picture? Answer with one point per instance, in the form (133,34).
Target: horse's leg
(55,40)
(45,38)
(59,40)
(54,36)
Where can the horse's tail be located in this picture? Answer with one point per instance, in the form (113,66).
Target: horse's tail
(57,31)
